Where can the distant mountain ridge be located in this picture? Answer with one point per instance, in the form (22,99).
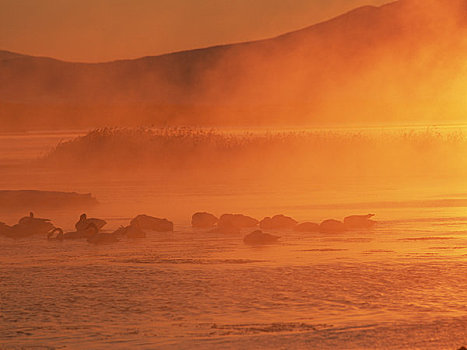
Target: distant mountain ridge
(370,65)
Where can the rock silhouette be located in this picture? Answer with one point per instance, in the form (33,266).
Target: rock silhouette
(234,223)
(146,222)
(203,220)
(278,222)
(238,220)
(359,221)
(258,237)
(332,226)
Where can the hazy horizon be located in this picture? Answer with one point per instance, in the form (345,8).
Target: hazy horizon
(303,192)
(82,31)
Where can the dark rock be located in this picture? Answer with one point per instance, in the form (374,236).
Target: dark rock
(359,221)
(258,237)
(332,226)
(307,227)
(146,222)
(203,220)
(278,222)
(237,220)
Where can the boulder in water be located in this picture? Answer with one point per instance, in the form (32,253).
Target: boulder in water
(146,222)
(258,237)
(278,222)
(359,221)
(332,226)
(203,220)
(237,220)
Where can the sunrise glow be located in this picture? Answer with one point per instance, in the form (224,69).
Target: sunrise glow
(233,174)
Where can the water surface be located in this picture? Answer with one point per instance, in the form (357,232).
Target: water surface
(401,285)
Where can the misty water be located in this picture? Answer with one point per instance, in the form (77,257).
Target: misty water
(401,285)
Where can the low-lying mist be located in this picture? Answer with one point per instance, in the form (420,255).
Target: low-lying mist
(398,64)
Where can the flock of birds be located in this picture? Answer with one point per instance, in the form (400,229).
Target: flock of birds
(90,228)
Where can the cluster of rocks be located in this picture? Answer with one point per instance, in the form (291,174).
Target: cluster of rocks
(353,222)
(89,228)
(235,223)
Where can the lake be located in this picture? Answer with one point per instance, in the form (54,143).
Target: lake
(401,285)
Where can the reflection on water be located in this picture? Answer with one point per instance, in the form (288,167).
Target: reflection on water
(398,286)
(202,288)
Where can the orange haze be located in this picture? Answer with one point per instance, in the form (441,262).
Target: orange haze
(102,30)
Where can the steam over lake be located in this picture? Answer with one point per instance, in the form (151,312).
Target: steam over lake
(400,285)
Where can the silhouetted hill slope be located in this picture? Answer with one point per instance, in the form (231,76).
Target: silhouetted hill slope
(400,62)
(6,55)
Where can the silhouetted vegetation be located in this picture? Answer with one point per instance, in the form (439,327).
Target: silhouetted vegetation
(306,152)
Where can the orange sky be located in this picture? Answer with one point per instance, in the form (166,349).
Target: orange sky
(102,30)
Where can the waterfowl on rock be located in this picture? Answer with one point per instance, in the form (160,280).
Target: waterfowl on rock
(84,222)
(27,226)
(31,219)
